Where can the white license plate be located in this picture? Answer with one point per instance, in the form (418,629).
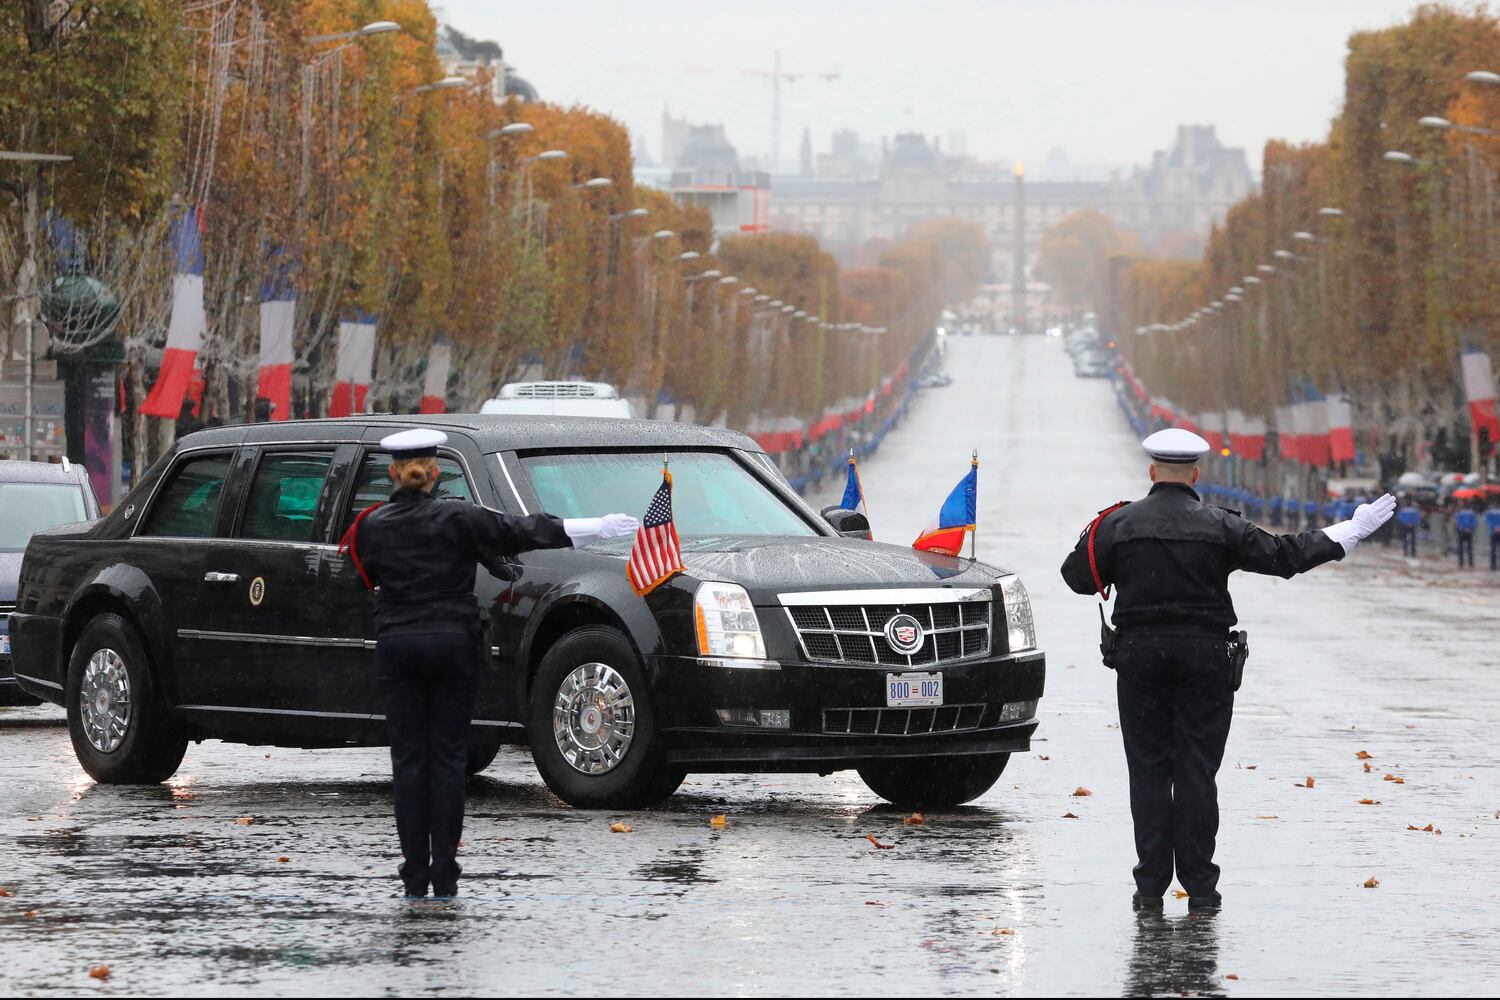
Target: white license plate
(906,690)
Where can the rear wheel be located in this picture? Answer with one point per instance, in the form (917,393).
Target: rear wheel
(934,782)
(592,728)
(121,729)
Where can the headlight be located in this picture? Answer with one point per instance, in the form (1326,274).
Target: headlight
(1018,614)
(727,624)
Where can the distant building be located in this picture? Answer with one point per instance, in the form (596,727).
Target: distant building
(1185,189)
(706,171)
(461,55)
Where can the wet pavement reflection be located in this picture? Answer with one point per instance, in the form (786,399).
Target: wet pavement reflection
(273,871)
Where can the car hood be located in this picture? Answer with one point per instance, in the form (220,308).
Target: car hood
(771,565)
(10,576)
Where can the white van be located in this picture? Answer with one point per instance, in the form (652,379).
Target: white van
(560,399)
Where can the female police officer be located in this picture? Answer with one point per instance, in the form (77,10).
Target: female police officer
(421,554)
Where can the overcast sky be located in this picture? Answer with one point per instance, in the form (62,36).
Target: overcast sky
(1106,79)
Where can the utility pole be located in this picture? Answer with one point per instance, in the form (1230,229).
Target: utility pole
(28,290)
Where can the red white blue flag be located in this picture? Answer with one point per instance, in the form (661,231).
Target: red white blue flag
(1479,388)
(656,556)
(854,491)
(955,519)
(186,327)
(435,383)
(353,365)
(278,310)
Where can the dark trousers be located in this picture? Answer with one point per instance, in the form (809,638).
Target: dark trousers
(1176,699)
(1495,551)
(429,680)
(1466,549)
(1409,540)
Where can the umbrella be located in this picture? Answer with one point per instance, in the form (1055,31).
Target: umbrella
(1413,479)
(1467,493)
(1491,488)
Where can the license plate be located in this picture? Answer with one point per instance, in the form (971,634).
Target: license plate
(4,645)
(906,690)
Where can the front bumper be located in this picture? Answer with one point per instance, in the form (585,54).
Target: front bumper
(688,692)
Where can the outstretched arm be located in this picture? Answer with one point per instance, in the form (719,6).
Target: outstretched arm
(1287,555)
(502,534)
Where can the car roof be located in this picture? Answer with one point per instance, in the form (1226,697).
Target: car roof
(15,471)
(492,431)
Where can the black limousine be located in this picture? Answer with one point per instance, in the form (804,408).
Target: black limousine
(213,603)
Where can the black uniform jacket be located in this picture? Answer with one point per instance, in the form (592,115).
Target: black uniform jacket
(422,554)
(1169,556)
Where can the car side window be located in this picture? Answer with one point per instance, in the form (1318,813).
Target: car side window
(188,504)
(283,500)
(373,484)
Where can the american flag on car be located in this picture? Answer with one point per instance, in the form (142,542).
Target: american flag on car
(656,556)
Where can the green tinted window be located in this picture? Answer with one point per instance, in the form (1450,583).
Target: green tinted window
(373,484)
(712,494)
(284,497)
(188,504)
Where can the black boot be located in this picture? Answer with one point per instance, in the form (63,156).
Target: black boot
(1139,901)
(1205,904)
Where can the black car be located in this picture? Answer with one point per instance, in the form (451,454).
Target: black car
(214,603)
(33,496)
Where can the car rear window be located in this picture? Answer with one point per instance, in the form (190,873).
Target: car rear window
(373,484)
(712,494)
(26,508)
(284,497)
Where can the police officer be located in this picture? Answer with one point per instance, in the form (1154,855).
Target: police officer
(1492,528)
(1465,523)
(1410,519)
(1170,556)
(421,553)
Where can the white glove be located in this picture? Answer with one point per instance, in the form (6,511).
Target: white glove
(587,530)
(1367,518)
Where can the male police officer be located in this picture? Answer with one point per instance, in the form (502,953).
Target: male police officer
(1170,556)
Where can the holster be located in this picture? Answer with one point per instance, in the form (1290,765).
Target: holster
(1239,652)
(1108,640)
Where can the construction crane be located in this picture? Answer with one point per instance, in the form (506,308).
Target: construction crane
(776,75)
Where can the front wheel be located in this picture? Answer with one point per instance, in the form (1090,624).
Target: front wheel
(120,727)
(934,782)
(592,728)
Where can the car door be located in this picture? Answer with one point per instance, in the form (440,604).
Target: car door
(345,597)
(259,611)
(171,541)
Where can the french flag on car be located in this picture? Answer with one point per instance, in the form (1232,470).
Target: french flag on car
(955,519)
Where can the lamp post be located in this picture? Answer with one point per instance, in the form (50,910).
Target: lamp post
(373,28)
(504,132)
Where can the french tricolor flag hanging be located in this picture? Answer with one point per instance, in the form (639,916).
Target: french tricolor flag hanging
(1479,387)
(186,327)
(353,366)
(435,384)
(1312,419)
(1211,426)
(1286,434)
(1247,435)
(278,309)
(1340,427)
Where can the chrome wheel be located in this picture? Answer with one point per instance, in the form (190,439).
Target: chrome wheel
(104,698)
(593,718)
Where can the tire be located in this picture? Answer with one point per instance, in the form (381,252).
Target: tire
(143,745)
(600,660)
(934,782)
(481,756)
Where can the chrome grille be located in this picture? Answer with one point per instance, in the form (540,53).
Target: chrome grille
(852,633)
(901,721)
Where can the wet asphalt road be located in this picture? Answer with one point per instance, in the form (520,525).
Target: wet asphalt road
(1007,896)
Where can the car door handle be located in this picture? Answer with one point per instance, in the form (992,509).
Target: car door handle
(212,577)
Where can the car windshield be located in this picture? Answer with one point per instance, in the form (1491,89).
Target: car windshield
(30,507)
(712,494)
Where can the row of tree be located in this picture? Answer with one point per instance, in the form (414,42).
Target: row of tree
(325,159)
(1351,269)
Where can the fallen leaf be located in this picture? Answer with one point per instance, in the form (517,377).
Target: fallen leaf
(1369,802)
(1232,976)
(1309,783)
(1082,792)
(283,859)
(1393,778)
(245,820)
(1042,756)
(1251,767)
(1002,932)
(915,819)
(1372,882)
(1068,815)
(873,902)
(99,972)
(4,893)
(1363,755)
(878,845)
(1180,894)
(620,828)
(1369,768)
(179,795)
(1268,817)
(720,821)
(29,914)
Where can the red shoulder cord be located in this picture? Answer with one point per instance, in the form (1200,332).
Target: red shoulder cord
(1093,562)
(349,543)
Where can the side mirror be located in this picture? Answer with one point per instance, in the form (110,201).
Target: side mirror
(849,523)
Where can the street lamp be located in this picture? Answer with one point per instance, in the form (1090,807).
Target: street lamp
(1483,76)
(1305,236)
(514,128)
(446,83)
(1434,121)
(373,28)
(1397,156)
(594,184)
(688,255)
(663,234)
